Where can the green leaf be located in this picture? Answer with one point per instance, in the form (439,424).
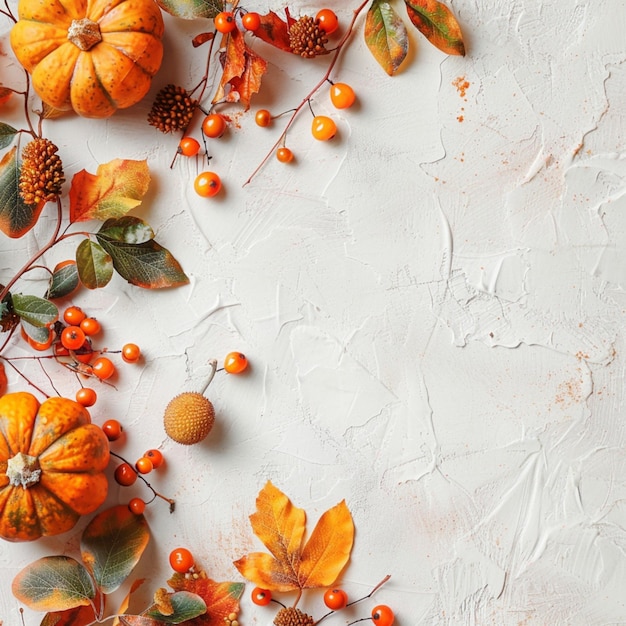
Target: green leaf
(94,265)
(34,310)
(437,23)
(63,282)
(147,264)
(191,9)
(128,229)
(54,583)
(185,606)
(112,545)
(40,334)
(386,36)
(6,134)
(16,217)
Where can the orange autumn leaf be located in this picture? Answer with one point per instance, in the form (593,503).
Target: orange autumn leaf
(117,187)
(221,598)
(243,87)
(437,23)
(294,563)
(275,31)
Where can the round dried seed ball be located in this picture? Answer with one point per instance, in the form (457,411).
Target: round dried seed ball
(189,418)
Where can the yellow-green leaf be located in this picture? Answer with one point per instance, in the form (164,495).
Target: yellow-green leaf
(112,545)
(54,583)
(386,36)
(116,188)
(437,23)
(95,266)
(192,9)
(16,217)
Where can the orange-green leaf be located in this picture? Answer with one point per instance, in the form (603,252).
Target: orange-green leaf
(79,616)
(94,264)
(112,544)
(117,187)
(64,281)
(280,526)
(221,599)
(184,607)
(54,583)
(275,31)
(386,36)
(146,265)
(16,217)
(437,23)
(327,550)
(192,9)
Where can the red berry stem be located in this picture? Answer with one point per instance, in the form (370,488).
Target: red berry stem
(213,365)
(336,54)
(156,494)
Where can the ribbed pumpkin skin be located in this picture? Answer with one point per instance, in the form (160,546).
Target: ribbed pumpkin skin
(72,454)
(113,74)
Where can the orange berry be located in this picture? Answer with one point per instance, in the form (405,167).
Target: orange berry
(181,560)
(323,128)
(284,155)
(235,362)
(207,184)
(327,20)
(144,465)
(137,506)
(224,22)
(131,352)
(73,315)
(103,368)
(72,337)
(188,147)
(90,326)
(86,396)
(263,118)
(251,21)
(84,354)
(342,95)
(214,125)
(112,429)
(125,475)
(156,456)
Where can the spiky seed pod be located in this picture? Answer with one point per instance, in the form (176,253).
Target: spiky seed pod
(41,174)
(189,418)
(172,109)
(306,38)
(291,616)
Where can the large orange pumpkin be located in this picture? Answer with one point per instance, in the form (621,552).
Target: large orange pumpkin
(52,460)
(93,56)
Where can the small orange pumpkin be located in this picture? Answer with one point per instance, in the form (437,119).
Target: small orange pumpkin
(92,56)
(52,461)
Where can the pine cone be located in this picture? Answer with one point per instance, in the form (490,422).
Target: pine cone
(41,175)
(306,38)
(172,109)
(291,616)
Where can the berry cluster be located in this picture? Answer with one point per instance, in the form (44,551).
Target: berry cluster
(335,599)
(70,341)
(308,36)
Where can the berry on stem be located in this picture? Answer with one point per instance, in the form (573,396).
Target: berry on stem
(342,95)
(144,465)
(72,337)
(112,429)
(156,456)
(131,352)
(335,599)
(224,22)
(214,125)
(84,354)
(382,615)
(251,21)
(235,362)
(261,597)
(90,326)
(73,315)
(137,506)
(207,184)
(125,475)
(327,20)
(188,146)
(181,560)
(86,396)
(284,155)
(323,128)
(263,118)
(103,368)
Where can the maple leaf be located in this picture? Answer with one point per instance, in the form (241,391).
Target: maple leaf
(275,31)
(296,564)
(221,598)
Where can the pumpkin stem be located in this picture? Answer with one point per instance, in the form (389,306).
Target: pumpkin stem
(23,470)
(84,33)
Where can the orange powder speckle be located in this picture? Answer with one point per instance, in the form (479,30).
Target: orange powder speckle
(460,118)
(462,85)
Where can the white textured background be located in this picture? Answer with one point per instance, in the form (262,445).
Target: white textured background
(433,306)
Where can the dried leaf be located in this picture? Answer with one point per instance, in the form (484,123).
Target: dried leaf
(16,217)
(386,36)
(221,599)
(192,9)
(437,23)
(112,544)
(249,83)
(117,187)
(202,38)
(233,61)
(79,616)
(275,31)
(281,526)
(54,583)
